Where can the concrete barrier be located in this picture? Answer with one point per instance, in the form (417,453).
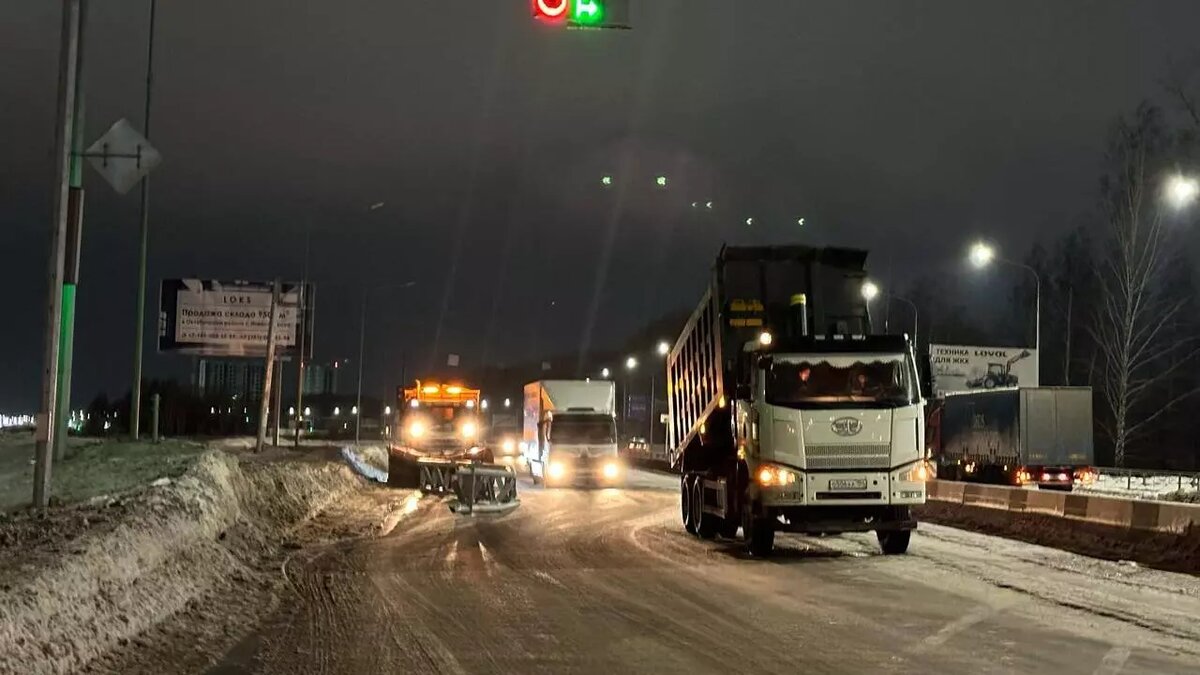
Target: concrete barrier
(1114,511)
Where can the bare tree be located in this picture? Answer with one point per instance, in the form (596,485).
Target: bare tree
(1136,310)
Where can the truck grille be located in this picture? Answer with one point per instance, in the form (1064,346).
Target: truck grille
(877,456)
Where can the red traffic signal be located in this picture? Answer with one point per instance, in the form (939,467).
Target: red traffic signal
(553,11)
(583,13)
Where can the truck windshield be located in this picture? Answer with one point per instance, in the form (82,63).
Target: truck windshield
(851,380)
(443,417)
(582,430)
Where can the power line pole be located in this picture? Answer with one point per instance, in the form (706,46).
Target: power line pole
(68,68)
(135,401)
(362,338)
(264,404)
(303,323)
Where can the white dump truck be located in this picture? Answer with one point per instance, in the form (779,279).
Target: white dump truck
(785,414)
(570,433)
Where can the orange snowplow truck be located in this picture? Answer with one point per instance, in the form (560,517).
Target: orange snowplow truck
(436,420)
(441,420)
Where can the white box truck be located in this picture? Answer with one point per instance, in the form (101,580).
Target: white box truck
(570,433)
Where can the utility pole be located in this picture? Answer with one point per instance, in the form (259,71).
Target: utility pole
(362,338)
(135,401)
(303,323)
(68,66)
(278,389)
(264,404)
(66,338)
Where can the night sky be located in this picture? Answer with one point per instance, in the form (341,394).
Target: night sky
(905,127)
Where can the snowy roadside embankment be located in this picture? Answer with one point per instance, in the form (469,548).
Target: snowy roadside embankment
(369,461)
(79,581)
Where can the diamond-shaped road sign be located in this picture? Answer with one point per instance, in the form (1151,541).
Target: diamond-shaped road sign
(123,156)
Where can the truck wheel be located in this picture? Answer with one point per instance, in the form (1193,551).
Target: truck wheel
(759,534)
(894,542)
(685,503)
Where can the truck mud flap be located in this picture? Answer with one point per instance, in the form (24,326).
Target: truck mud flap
(713,496)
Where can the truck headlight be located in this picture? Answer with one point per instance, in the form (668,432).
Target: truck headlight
(416,429)
(919,473)
(468,430)
(611,470)
(507,445)
(769,475)
(556,470)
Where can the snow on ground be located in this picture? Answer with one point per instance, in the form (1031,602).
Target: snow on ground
(1149,487)
(78,580)
(92,468)
(369,461)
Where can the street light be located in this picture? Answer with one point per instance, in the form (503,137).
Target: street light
(631,363)
(605,372)
(663,348)
(870,291)
(981,255)
(1182,190)
(362,339)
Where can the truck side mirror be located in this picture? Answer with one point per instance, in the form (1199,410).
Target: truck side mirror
(742,392)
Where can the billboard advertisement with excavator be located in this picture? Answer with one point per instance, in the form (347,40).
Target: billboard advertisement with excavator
(959,368)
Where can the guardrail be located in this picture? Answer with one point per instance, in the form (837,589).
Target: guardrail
(1156,516)
(1153,479)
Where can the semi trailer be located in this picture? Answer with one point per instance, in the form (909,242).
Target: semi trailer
(1029,436)
(785,413)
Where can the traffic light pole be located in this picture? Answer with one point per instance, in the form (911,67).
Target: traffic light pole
(135,401)
(74,242)
(68,65)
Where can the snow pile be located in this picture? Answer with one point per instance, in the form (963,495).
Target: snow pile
(1149,487)
(370,461)
(167,546)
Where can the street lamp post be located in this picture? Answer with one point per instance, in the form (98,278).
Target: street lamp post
(870,291)
(662,349)
(981,255)
(911,304)
(631,364)
(362,339)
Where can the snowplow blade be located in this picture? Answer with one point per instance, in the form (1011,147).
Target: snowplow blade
(476,488)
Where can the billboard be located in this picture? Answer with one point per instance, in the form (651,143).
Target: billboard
(230,318)
(958,368)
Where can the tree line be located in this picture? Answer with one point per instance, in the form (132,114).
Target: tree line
(1120,309)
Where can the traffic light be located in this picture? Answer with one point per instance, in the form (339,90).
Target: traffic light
(583,13)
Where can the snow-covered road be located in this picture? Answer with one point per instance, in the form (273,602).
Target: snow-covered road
(607,581)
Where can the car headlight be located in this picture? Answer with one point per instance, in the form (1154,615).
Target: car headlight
(611,470)
(769,475)
(468,430)
(416,429)
(919,473)
(556,470)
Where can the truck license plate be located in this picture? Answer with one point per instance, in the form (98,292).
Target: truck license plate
(847,483)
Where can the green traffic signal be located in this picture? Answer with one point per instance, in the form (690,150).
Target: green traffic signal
(587,12)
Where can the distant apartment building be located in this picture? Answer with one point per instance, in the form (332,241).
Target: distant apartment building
(242,378)
(320,378)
